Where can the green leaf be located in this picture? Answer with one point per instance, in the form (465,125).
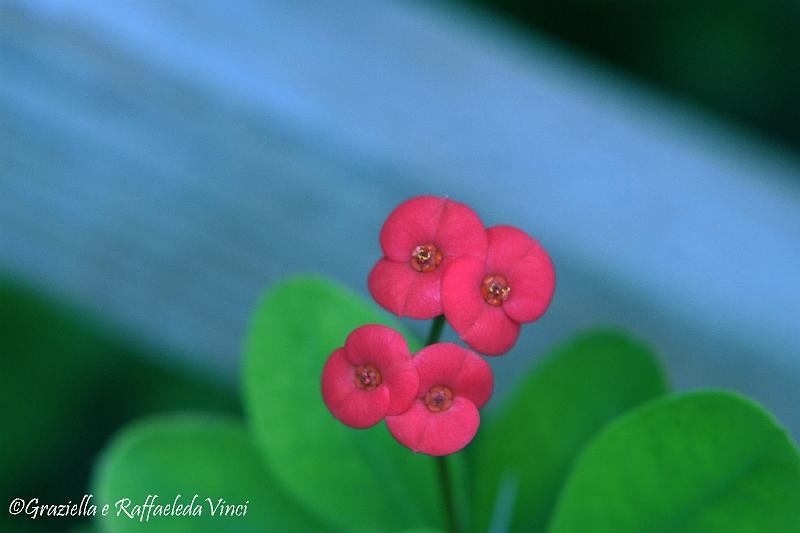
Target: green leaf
(523,455)
(358,480)
(700,462)
(59,365)
(211,456)
(84,527)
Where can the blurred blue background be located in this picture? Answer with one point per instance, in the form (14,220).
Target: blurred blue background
(161,163)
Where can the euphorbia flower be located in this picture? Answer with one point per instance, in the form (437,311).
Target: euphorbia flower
(485,301)
(453,384)
(419,240)
(370,377)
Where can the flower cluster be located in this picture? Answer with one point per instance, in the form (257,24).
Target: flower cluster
(438,259)
(430,401)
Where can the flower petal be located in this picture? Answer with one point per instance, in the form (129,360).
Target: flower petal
(486,328)
(532,281)
(376,344)
(507,246)
(405,292)
(439,433)
(460,232)
(354,407)
(402,381)
(452,226)
(412,223)
(457,368)
(493,333)
(386,349)
(462,302)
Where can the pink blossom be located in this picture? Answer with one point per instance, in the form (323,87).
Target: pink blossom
(419,239)
(370,377)
(453,384)
(486,299)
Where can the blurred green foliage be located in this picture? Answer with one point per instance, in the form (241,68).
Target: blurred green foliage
(735,57)
(702,462)
(706,461)
(67,383)
(203,454)
(532,441)
(355,480)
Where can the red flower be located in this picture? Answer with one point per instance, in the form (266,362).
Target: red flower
(421,237)
(453,384)
(486,300)
(370,377)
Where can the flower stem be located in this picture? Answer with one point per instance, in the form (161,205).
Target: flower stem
(441,462)
(447,495)
(436,330)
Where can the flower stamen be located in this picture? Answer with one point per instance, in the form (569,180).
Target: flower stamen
(425,258)
(367,377)
(439,398)
(495,289)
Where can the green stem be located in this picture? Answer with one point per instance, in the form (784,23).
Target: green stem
(447,494)
(441,462)
(436,330)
